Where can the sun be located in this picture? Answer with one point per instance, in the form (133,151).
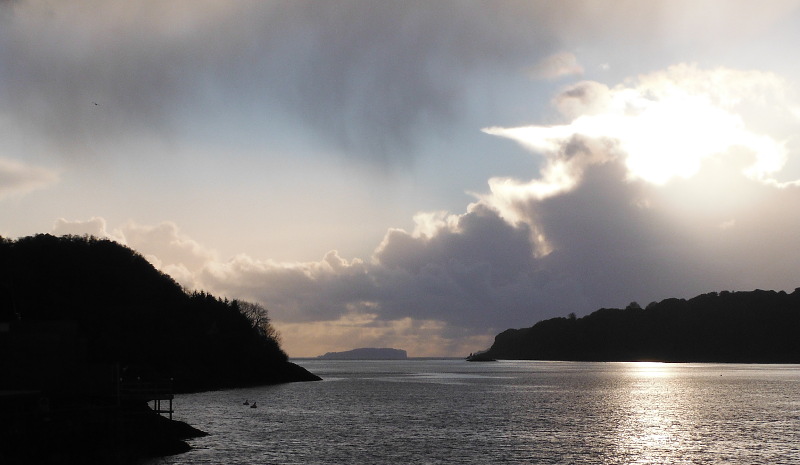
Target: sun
(671,138)
(664,126)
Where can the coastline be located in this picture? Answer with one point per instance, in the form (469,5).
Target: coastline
(87,431)
(52,426)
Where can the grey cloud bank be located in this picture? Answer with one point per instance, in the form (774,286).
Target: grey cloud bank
(369,77)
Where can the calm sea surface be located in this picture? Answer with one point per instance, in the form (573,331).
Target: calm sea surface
(451,411)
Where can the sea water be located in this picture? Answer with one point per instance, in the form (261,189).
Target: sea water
(525,412)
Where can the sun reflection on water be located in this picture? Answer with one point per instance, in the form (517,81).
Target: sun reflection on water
(649,369)
(655,416)
(508,412)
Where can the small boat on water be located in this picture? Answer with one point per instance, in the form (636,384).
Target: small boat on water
(254,405)
(246,402)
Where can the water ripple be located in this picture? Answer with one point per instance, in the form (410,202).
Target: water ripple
(443,412)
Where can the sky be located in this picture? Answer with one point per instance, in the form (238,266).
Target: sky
(419,174)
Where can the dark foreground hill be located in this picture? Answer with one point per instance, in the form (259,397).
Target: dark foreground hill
(106,303)
(90,332)
(737,327)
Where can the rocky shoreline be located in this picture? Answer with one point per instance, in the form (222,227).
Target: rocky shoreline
(63,426)
(87,432)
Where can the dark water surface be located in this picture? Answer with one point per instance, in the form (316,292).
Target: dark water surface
(451,411)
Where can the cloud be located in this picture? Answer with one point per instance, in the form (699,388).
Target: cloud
(662,126)
(461,270)
(299,292)
(95,226)
(164,245)
(17,178)
(636,184)
(373,80)
(557,66)
(665,124)
(168,244)
(369,78)
(456,279)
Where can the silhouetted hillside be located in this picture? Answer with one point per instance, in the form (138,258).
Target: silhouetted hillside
(747,327)
(96,301)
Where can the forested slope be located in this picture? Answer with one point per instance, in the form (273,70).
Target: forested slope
(127,313)
(749,327)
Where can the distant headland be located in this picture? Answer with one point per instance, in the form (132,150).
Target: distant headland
(727,327)
(367,353)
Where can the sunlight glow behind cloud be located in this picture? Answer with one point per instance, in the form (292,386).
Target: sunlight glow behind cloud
(665,125)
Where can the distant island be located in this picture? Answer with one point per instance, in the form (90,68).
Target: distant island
(729,327)
(91,333)
(366,354)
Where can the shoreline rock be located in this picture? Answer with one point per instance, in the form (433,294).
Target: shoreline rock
(91,432)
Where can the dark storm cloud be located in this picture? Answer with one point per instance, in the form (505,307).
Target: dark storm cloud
(612,245)
(85,72)
(480,237)
(369,76)
(462,270)
(374,75)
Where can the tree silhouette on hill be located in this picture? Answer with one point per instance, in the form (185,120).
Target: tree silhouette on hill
(748,327)
(131,314)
